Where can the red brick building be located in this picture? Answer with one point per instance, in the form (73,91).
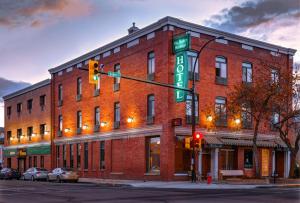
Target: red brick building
(27,127)
(123,129)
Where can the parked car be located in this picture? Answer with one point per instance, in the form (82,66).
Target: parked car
(35,174)
(63,174)
(9,173)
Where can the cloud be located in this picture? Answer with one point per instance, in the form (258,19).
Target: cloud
(255,13)
(35,13)
(9,86)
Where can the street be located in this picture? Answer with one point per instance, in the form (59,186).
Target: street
(27,191)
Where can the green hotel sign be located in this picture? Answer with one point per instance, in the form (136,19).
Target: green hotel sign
(181,75)
(181,43)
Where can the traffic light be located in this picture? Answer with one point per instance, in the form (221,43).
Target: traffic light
(93,71)
(197,139)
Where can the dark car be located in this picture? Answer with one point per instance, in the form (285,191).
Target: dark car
(9,173)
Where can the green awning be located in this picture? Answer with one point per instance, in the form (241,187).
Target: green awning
(38,150)
(9,152)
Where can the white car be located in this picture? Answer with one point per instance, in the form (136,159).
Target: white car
(35,174)
(63,174)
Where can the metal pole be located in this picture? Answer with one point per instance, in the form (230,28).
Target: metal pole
(193,91)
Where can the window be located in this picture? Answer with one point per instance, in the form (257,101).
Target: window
(34,161)
(8,111)
(29,105)
(275,119)
(42,161)
(42,130)
(248,158)
(153,155)
(30,162)
(116,115)
(151,65)
(64,156)
(19,108)
(182,154)
(60,94)
(247,72)
(192,56)
(79,86)
(8,136)
(188,109)
(229,159)
(78,151)
(71,156)
(246,117)
(97,116)
(117,79)
(150,109)
(79,119)
(42,101)
(60,123)
(57,156)
(102,155)
(220,111)
(86,155)
(221,70)
(19,134)
(274,76)
(29,133)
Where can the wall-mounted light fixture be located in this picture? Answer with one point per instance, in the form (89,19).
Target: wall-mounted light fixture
(84,127)
(33,134)
(103,124)
(22,136)
(47,132)
(67,130)
(209,118)
(237,121)
(129,120)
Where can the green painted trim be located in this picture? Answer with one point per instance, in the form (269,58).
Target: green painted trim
(9,152)
(38,150)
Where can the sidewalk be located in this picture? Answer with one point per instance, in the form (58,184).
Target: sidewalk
(182,184)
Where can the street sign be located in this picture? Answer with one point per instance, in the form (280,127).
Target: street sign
(181,76)
(181,43)
(114,74)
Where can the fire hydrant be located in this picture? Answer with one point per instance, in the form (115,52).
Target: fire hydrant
(209,179)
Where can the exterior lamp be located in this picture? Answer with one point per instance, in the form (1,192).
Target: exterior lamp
(22,136)
(33,135)
(237,121)
(103,124)
(158,142)
(129,120)
(11,139)
(67,130)
(84,127)
(47,132)
(209,118)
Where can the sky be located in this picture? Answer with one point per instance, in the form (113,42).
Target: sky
(36,35)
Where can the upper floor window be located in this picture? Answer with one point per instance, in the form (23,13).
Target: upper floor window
(19,134)
(60,93)
(29,105)
(192,57)
(117,68)
(29,132)
(79,86)
(79,119)
(188,109)
(97,116)
(220,111)
(221,70)
(60,123)
(247,72)
(116,115)
(151,65)
(150,109)
(275,119)
(8,111)
(19,108)
(274,76)
(246,117)
(42,130)
(42,101)
(8,136)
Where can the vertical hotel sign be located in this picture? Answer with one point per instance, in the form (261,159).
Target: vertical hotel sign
(180,45)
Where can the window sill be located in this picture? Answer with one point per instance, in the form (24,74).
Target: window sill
(116,173)
(181,174)
(152,174)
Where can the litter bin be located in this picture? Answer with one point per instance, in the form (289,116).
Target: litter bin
(209,178)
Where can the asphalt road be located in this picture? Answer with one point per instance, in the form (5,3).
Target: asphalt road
(41,192)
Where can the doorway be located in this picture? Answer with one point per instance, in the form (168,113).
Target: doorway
(21,165)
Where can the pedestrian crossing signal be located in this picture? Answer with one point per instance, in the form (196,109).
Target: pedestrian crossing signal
(93,71)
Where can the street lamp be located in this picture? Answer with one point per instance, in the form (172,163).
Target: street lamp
(193,106)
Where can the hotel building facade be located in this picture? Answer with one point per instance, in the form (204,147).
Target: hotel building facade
(125,129)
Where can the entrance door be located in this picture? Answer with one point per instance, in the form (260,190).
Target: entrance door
(22,165)
(279,163)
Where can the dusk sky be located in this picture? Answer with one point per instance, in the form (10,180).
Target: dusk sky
(36,35)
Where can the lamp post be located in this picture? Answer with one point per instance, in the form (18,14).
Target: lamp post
(193,106)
